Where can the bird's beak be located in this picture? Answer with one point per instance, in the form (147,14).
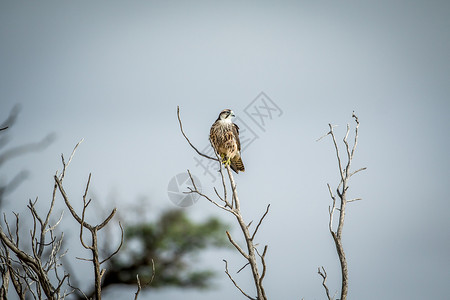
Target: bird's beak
(232,114)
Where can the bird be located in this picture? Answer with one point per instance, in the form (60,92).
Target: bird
(224,138)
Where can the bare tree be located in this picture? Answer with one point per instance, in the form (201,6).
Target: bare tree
(38,272)
(339,203)
(36,267)
(232,206)
(30,273)
(93,247)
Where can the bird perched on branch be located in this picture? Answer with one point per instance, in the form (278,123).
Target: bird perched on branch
(224,137)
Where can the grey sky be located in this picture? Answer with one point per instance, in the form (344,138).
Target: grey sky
(113,73)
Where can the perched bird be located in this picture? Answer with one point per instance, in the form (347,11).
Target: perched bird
(224,137)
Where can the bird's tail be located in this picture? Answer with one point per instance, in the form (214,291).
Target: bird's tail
(236,164)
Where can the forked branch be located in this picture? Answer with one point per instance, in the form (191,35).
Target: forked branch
(93,247)
(339,202)
(233,207)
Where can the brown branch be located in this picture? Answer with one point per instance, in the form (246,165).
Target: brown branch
(357,171)
(263,262)
(66,200)
(118,248)
(33,274)
(196,191)
(243,267)
(250,254)
(139,282)
(187,139)
(245,255)
(108,218)
(63,172)
(323,274)
(234,282)
(260,221)
(341,192)
(233,207)
(139,287)
(353,200)
(341,172)
(31,262)
(93,230)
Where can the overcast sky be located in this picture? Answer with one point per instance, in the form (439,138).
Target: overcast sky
(113,73)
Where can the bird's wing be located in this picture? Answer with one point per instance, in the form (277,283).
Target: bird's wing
(236,163)
(235,130)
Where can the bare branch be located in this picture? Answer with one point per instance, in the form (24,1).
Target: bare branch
(341,172)
(263,262)
(69,161)
(187,139)
(118,248)
(243,267)
(50,228)
(66,200)
(234,282)
(236,246)
(195,190)
(353,200)
(93,229)
(150,282)
(323,274)
(85,259)
(357,171)
(356,134)
(108,218)
(139,287)
(85,205)
(341,192)
(233,207)
(260,221)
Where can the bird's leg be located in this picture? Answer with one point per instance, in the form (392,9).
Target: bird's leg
(225,161)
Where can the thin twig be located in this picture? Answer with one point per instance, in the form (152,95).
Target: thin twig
(196,191)
(323,274)
(357,171)
(118,248)
(245,255)
(353,200)
(260,221)
(243,267)
(187,139)
(234,282)
(139,287)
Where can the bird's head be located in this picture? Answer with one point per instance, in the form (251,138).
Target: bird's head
(226,114)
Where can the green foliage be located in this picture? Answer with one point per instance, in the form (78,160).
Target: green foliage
(172,242)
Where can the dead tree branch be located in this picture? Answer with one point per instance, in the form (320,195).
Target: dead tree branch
(35,273)
(234,282)
(34,268)
(187,139)
(233,207)
(148,283)
(339,203)
(93,247)
(323,274)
